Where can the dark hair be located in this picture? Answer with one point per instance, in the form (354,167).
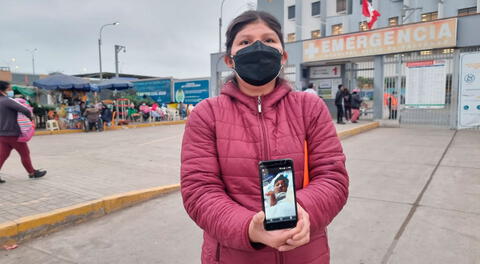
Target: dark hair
(282,178)
(249,17)
(340,86)
(4,85)
(310,85)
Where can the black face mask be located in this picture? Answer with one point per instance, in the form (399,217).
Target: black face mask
(258,64)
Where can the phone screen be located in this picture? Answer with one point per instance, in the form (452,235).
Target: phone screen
(279,194)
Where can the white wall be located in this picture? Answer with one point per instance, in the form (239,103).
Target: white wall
(331,8)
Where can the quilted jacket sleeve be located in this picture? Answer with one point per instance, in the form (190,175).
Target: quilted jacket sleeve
(203,190)
(327,191)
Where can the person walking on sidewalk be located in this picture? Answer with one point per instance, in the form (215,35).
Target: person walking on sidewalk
(10,131)
(347,104)
(258,116)
(339,103)
(356,103)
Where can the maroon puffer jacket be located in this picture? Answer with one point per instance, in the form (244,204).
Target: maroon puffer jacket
(224,140)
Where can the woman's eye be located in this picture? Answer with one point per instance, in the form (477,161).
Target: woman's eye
(269,41)
(244,42)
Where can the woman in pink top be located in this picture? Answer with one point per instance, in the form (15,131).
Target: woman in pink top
(259,117)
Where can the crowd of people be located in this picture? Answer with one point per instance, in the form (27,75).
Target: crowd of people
(97,116)
(348,104)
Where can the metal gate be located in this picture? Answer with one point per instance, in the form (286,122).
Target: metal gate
(359,75)
(407,93)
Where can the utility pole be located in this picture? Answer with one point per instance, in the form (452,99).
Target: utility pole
(118,48)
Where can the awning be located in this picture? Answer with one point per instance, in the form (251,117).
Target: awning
(27,91)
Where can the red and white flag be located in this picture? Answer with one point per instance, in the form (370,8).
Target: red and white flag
(368,11)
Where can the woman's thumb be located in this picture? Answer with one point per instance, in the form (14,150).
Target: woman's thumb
(258,218)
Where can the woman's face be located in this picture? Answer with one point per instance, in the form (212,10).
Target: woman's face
(251,33)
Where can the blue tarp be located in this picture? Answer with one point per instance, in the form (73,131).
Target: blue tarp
(116,84)
(63,82)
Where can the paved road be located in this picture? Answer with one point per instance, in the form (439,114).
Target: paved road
(414,199)
(84,167)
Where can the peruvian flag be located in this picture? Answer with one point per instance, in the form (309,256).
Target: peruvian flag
(368,11)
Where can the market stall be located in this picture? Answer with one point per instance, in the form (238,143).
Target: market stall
(70,99)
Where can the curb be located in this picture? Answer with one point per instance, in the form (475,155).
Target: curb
(25,228)
(22,229)
(358,130)
(72,131)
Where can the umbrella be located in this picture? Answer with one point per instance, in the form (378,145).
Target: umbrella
(116,84)
(63,82)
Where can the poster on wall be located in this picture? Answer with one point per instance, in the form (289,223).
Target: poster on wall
(327,88)
(191,91)
(426,84)
(159,90)
(469,94)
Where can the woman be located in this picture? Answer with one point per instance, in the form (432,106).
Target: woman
(10,131)
(258,117)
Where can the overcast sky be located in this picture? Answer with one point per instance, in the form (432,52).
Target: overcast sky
(163,37)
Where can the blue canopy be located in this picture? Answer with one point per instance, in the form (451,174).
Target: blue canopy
(116,84)
(63,82)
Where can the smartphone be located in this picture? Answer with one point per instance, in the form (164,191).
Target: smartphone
(278,194)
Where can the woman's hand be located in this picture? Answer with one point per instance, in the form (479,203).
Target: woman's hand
(274,239)
(301,232)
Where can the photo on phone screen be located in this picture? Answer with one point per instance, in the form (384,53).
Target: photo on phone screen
(279,195)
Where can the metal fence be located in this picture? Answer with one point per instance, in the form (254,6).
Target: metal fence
(397,107)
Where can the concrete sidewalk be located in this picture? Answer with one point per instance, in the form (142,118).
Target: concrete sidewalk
(413,199)
(86,167)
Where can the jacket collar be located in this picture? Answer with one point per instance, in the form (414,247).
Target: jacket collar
(281,89)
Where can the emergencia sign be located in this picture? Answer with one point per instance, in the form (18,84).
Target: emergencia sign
(419,36)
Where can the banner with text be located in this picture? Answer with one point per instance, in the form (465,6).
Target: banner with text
(426,84)
(419,36)
(191,91)
(469,105)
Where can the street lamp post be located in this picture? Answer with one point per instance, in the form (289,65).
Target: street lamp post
(33,61)
(100,46)
(220,28)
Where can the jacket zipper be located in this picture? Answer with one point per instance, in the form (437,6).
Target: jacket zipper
(280,259)
(217,253)
(264,129)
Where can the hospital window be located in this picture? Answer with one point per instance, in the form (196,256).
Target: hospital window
(363,26)
(393,21)
(291,37)
(341,6)
(337,29)
(316,34)
(429,16)
(291,12)
(316,8)
(467,11)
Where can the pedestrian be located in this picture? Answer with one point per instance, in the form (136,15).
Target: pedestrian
(356,103)
(145,110)
(311,89)
(10,131)
(106,115)
(93,116)
(347,103)
(339,102)
(258,116)
(392,106)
